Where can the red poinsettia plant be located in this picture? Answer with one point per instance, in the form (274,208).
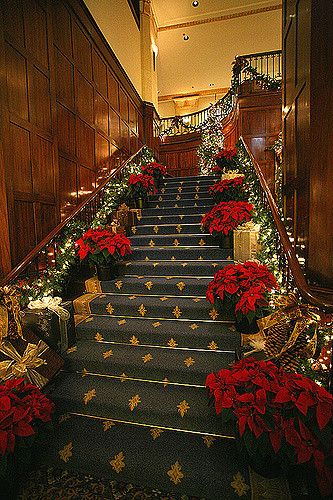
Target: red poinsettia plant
(155,169)
(243,288)
(101,246)
(22,408)
(229,189)
(140,185)
(281,418)
(226,216)
(226,159)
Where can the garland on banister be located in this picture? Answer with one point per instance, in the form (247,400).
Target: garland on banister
(271,252)
(54,279)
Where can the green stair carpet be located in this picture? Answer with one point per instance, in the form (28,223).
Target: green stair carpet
(131,403)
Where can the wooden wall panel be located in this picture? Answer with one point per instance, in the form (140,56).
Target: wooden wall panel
(178,153)
(17,85)
(64,79)
(68,107)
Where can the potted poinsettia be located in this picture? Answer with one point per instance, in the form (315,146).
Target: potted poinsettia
(139,187)
(156,170)
(232,189)
(226,159)
(243,289)
(222,219)
(103,248)
(24,410)
(281,419)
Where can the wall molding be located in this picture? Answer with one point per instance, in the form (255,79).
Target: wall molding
(198,93)
(220,18)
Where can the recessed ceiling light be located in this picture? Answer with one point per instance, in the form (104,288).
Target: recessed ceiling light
(211,84)
(195,3)
(185,37)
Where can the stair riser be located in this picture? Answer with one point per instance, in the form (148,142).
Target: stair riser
(186,203)
(173,240)
(179,253)
(167,288)
(167,211)
(170,219)
(173,229)
(198,337)
(123,306)
(178,197)
(199,268)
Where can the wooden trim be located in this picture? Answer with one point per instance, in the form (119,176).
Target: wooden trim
(220,18)
(198,93)
(310,295)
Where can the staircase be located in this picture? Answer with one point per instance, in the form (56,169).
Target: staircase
(132,401)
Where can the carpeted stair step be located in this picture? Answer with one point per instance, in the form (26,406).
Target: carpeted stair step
(151,403)
(175,211)
(186,333)
(184,253)
(177,268)
(152,285)
(180,196)
(195,179)
(159,458)
(183,203)
(168,240)
(151,306)
(170,218)
(175,228)
(202,187)
(147,362)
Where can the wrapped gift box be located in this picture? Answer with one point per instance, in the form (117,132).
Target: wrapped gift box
(58,333)
(246,245)
(30,358)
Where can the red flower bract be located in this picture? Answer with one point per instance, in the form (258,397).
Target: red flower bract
(154,168)
(143,183)
(244,286)
(101,245)
(260,398)
(21,406)
(226,216)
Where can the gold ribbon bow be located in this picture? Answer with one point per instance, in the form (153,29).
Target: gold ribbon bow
(23,366)
(279,342)
(10,325)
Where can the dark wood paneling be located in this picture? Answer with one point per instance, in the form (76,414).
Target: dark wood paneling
(40,103)
(100,74)
(82,51)
(68,193)
(62,118)
(35,25)
(20,166)
(308,123)
(179,154)
(101,113)
(66,131)
(24,236)
(85,143)
(16,82)
(64,79)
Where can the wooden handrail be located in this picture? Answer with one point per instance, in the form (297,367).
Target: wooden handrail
(17,270)
(299,278)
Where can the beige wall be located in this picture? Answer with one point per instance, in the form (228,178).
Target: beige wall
(116,21)
(189,66)
(167,108)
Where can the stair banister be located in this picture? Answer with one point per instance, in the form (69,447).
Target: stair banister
(81,208)
(303,287)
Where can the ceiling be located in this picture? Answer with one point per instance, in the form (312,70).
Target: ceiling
(169,12)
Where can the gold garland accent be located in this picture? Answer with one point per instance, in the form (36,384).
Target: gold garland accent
(23,366)
(285,331)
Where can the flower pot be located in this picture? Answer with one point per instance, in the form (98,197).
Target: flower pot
(107,272)
(265,466)
(141,203)
(225,240)
(243,325)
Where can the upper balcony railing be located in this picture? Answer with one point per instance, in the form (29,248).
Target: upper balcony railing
(262,69)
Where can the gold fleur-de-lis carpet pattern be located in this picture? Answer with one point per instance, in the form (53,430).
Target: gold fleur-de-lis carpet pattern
(132,404)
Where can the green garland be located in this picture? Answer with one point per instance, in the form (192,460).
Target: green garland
(54,279)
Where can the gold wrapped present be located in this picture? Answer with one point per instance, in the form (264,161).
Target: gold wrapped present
(246,245)
(31,359)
